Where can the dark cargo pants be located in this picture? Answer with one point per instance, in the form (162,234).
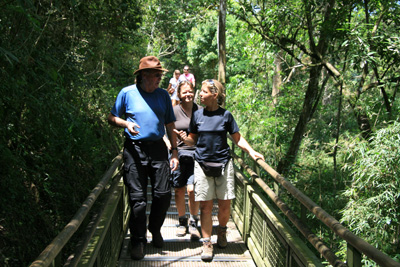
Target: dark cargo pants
(143,160)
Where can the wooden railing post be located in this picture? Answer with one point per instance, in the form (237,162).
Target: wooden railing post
(353,256)
(276,188)
(247,216)
(256,167)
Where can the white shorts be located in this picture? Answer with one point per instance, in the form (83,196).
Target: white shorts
(209,188)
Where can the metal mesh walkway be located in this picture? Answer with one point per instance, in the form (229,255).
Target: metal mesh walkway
(181,251)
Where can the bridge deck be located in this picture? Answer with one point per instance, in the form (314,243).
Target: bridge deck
(181,251)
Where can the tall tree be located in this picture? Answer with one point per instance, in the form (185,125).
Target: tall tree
(277,80)
(222,42)
(311,34)
(314,34)
(58,62)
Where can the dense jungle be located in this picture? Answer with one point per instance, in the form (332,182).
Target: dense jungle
(312,84)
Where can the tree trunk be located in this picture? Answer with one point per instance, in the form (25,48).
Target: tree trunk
(222,42)
(277,80)
(310,100)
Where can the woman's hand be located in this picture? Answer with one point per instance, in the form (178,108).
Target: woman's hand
(181,134)
(189,140)
(255,155)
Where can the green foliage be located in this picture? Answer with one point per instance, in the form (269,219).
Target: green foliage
(373,209)
(60,62)
(360,39)
(166,29)
(203,47)
(64,62)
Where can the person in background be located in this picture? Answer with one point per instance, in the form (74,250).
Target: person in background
(213,171)
(173,84)
(145,111)
(187,76)
(183,177)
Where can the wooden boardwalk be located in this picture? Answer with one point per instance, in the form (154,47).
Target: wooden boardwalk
(181,251)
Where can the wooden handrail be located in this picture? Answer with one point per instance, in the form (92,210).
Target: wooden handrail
(361,245)
(302,227)
(53,249)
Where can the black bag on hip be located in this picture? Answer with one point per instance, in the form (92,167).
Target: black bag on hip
(213,169)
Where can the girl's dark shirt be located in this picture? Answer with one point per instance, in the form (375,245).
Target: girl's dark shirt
(212,128)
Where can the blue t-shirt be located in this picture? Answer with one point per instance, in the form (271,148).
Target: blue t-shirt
(212,128)
(151,111)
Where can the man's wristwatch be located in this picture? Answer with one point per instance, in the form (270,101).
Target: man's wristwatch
(174,148)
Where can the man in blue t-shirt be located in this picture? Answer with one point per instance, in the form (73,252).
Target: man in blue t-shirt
(145,111)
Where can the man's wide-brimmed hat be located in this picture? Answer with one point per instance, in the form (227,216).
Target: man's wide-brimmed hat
(150,62)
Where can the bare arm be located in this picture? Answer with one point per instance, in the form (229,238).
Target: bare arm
(190,140)
(119,122)
(172,139)
(166,141)
(242,143)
